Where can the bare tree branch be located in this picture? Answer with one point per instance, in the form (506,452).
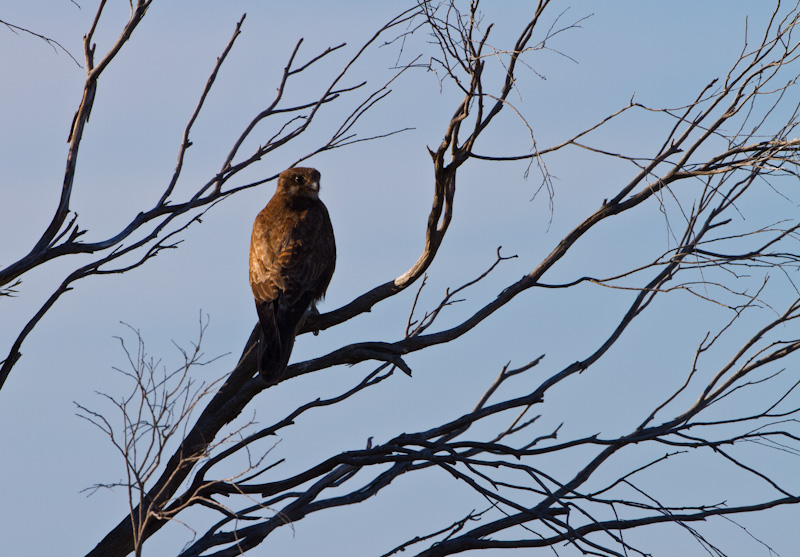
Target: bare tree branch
(710,162)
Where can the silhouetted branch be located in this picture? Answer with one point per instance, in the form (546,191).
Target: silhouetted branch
(549,475)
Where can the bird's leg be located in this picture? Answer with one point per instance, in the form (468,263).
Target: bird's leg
(313,312)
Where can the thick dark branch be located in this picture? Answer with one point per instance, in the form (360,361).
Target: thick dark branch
(476,538)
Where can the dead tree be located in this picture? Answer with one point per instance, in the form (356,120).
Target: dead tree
(719,151)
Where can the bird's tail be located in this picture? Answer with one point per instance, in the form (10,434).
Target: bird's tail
(277,335)
(270,349)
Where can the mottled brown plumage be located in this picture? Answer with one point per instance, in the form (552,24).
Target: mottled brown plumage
(292,257)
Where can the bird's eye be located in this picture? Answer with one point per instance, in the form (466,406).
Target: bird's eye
(299,179)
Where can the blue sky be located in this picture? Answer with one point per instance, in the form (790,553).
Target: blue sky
(378,197)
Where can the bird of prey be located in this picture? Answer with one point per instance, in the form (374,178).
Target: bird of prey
(292,257)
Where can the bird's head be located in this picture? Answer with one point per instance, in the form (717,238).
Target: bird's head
(300,182)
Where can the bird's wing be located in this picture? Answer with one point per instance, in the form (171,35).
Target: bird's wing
(304,259)
(270,234)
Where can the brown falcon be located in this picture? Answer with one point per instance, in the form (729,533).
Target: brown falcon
(292,257)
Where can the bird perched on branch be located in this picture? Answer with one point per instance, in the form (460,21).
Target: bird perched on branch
(292,257)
